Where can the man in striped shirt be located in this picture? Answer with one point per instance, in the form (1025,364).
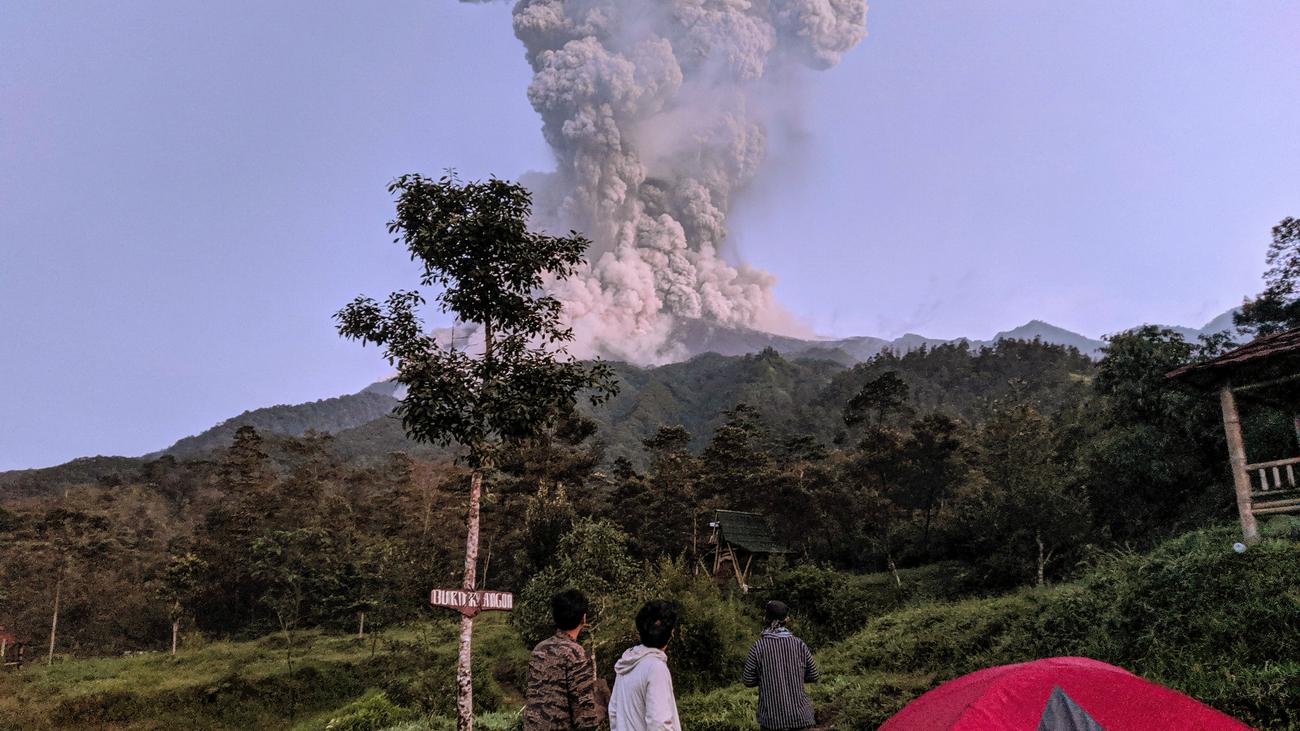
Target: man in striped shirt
(778,665)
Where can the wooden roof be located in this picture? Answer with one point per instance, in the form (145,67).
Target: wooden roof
(748,531)
(1260,358)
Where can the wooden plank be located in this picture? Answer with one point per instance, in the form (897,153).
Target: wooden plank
(1275,494)
(1275,504)
(1266,384)
(1274,463)
(1290,476)
(1237,458)
(1263,480)
(1275,511)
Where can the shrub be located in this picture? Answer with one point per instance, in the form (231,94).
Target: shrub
(1193,615)
(371,712)
(434,690)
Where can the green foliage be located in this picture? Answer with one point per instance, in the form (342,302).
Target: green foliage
(715,631)
(1193,615)
(1277,308)
(879,399)
(371,712)
(594,556)
(828,605)
(473,243)
(433,691)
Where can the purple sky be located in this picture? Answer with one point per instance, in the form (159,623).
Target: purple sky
(188,190)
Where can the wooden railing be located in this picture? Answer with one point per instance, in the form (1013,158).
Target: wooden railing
(1282,486)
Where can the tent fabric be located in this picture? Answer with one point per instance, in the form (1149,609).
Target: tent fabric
(1014,698)
(1063,714)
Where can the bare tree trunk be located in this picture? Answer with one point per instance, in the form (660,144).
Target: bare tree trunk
(898,581)
(54,622)
(1042,556)
(361,625)
(176,632)
(487,563)
(464,677)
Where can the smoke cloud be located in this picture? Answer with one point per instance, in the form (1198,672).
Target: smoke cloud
(658,113)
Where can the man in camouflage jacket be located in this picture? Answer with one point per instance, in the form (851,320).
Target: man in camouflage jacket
(561,691)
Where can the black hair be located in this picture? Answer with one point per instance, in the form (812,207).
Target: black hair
(776,611)
(568,609)
(656,622)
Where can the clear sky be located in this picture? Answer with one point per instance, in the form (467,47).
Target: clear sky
(189,189)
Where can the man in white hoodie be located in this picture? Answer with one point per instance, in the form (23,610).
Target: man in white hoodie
(642,699)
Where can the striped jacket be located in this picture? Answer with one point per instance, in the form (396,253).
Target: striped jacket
(778,665)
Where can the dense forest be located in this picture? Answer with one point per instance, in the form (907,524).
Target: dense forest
(946,509)
(901,484)
(1012,462)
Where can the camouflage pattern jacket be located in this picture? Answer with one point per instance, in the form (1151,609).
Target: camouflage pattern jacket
(561,688)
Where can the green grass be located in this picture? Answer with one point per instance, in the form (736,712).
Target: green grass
(1219,626)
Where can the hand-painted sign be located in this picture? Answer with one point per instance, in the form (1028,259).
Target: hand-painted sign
(470,603)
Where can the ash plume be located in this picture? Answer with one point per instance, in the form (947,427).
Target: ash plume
(658,115)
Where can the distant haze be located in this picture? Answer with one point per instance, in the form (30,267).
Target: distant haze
(188,190)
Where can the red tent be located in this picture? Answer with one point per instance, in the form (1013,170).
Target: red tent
(1065,693)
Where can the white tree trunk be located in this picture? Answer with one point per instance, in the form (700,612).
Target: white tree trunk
(464,676)
(361,626)
(176,632)
(54,622)
(1042,557)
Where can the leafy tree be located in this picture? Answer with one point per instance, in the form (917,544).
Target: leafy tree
(932,453)
(180,588)
(1149,452)
(661,510)
(472,240)
(737,465)
(878,399)
(593,556)
(1277,308)
(1019,512)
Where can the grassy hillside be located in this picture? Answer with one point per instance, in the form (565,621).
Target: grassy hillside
(1220,626)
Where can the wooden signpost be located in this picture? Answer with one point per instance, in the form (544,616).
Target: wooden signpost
(470,603)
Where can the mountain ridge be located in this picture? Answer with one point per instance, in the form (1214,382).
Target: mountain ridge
(354,412)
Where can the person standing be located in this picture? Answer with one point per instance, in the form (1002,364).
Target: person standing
(561,689)
(778,665)
(642,699)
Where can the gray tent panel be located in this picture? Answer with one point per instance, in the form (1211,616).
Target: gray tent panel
(1062,714)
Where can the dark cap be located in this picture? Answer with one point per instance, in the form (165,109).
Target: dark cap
(776,610)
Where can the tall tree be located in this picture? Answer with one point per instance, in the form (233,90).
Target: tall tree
(879,399)
(472,241)
(1277,308)
(1019,512)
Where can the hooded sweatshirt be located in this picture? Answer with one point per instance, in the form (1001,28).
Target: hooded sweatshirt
(642,699)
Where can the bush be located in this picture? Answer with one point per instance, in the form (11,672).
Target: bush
(1193,615)
(715,632)
(434,690)
(371,712)
(829,605)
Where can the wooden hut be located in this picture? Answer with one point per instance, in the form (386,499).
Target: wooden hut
(736,540)
(1264,371)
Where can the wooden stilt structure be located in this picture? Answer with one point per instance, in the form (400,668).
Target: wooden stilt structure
(736,540)
(1265,370)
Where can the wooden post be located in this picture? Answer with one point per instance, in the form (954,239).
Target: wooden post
(464,675)
(1237,458)
(54,622)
